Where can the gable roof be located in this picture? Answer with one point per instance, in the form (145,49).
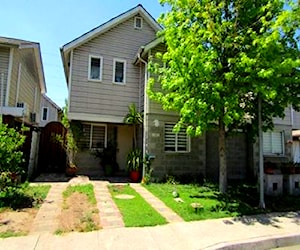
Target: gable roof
(68,47)
(23,44)
(51,102)
(139,9)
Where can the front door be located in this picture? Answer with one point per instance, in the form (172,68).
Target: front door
(125,136)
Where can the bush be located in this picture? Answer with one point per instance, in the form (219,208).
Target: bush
(11,156)
(11,159)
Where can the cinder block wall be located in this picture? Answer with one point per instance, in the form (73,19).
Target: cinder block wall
(172,163)
(236,156)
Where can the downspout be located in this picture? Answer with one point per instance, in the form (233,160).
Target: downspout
(145,123)
(18,84)
(10,65)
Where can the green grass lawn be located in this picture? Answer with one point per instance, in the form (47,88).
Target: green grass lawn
(215,205)
(86,189)
(136,212)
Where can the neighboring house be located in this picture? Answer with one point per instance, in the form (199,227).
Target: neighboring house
(22,85)
(106,71)
(49,111)
(22,80)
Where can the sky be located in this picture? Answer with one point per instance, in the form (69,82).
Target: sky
(53,23)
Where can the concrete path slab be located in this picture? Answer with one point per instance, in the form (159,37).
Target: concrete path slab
(157,204)
(46,218)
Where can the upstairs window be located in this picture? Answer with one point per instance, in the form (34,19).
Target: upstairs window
(95,68)
(273,143)
(138,23)
(45,114)
(176,142)
(119,71)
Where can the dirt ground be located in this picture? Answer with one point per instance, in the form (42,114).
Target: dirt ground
(78,214)
(17,222)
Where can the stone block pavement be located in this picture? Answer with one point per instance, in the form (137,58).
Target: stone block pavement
(110,216)
(266,231)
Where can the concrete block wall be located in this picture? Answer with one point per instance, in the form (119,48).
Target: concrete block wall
(236,156)
(273,184)
(171,163)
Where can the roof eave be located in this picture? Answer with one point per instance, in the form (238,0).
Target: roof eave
(143,50)
(110,24)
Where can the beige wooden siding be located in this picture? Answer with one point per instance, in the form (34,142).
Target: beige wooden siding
(28,82)
(4,62)
(14,78)
(106,98)
(296,120)
(52,112)
(153,106)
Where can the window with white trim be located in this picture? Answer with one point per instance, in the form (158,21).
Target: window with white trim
(138,22)
(95,68)
(176,142)
(119,71)
(45,114)
(94,136)
(273,143)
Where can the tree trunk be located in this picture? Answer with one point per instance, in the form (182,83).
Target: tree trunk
(222,158)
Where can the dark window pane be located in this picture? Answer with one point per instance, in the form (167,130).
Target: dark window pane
(119,71)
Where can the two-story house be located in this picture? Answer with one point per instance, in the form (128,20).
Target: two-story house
(22,80)
(106,70)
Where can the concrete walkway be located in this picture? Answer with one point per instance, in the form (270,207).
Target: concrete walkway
(248,232)
(46,218)
(157,204)
(109,213)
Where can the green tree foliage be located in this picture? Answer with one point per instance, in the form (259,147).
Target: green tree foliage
(73,134)
(221,56)
(11,159)
(11,156)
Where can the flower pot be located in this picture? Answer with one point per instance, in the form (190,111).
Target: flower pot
(288,170)
(269,170)
(71,170)
(134,176)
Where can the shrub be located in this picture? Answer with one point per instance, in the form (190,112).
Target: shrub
(11,156)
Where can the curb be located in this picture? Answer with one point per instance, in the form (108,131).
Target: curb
(260,243)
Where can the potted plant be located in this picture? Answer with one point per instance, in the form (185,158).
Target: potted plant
(288,168)
(108,159)
(69,144)
(134,164)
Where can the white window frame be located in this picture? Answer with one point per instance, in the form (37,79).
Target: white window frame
(114,71)
(273,153)
(42,118)
(188,140)
(91,134)
(135,22)
(101,68)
